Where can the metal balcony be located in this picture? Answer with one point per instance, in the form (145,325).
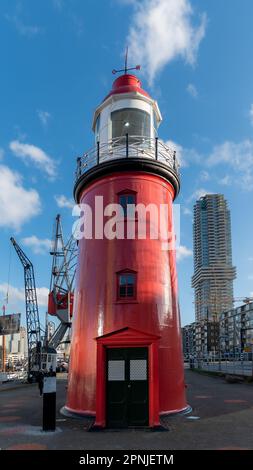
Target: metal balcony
(127,147)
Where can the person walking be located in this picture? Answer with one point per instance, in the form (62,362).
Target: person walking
(41,381)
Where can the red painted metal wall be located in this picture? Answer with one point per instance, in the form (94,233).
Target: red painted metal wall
(97,311)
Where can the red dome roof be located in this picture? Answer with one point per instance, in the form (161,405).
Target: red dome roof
(126,84)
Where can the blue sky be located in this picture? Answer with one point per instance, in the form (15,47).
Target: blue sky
(57,57)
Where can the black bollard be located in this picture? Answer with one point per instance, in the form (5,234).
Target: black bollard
(49,402)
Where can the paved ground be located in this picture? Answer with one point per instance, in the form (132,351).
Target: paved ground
(224,412)
(233,367)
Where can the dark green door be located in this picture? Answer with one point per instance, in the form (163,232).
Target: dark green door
(127,387)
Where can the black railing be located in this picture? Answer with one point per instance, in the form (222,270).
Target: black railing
(127,146)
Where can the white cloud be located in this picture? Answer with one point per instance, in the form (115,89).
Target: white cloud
(192,90)
(250,277)
(22,28)
(236,155)
(42,296)
(76,20)
(251,114)
(63,201)
(178,149)
(78,24)
(38,245)
(184,155)
(127,2)
(28,152)
(236,158)
(239,156)
(204,175)
(162,30)
(225,181)
(17,204)
(198,194)
(17,294)
(251,258)
(58,4)
(183,252)
(44,117)
(187,211)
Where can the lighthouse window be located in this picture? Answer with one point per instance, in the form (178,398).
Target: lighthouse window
(126,285)
(124,200)
(131,121)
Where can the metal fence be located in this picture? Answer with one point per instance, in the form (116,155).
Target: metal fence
(127,146)
(17,376)
(239,364)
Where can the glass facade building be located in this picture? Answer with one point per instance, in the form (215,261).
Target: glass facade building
(213,270)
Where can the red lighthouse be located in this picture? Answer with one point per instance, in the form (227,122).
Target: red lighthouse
(126,364)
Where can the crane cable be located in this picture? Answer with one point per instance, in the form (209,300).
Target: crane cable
(6,298)
(8,279)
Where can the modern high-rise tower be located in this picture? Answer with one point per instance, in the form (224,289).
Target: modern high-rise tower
(213,270)
(126,364)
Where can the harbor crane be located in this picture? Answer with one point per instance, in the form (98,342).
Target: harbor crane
(34,333)
(61,294)
(41,348)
